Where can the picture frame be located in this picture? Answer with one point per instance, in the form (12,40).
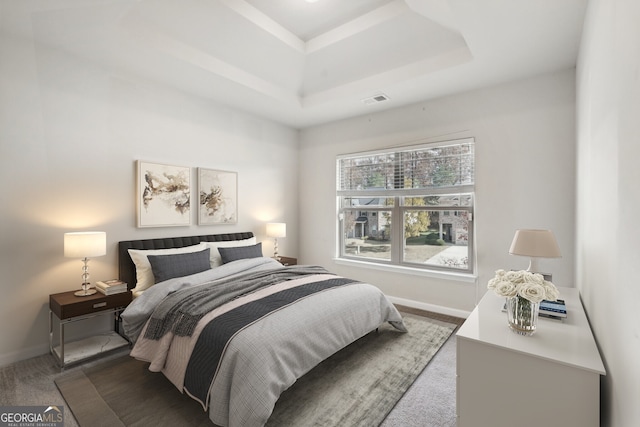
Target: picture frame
(217,197)
(163,195)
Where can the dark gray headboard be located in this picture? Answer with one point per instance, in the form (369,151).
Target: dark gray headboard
(126,268)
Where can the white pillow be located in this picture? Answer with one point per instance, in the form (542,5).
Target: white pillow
(144,274)
(216,259)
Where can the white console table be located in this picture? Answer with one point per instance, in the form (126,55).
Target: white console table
(549,379)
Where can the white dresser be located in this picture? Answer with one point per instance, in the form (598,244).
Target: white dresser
(549,379)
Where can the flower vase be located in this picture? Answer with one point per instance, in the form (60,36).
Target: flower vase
(522,315)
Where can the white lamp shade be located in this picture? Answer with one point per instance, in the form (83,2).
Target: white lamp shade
(535,243)
(85,244)
(276,229)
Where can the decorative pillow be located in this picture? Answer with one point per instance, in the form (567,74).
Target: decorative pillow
(167,267)
(144,274)
(242,252)
(216,259)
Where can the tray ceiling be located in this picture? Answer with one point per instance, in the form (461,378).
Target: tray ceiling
(304,63)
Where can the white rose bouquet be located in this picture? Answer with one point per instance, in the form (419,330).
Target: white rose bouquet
(525,284)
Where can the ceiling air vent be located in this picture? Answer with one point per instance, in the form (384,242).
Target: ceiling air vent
(375,99)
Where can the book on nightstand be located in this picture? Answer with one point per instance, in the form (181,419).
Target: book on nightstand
(110,287)
(549,309)
(553,309)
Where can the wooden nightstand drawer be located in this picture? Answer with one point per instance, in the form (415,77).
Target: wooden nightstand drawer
(285,260)
(66,305)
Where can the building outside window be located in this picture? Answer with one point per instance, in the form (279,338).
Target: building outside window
(410,206)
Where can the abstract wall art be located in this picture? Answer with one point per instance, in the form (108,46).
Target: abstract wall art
(164,195)
(218,197)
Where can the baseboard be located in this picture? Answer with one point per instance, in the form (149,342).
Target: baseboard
(24,354)
(430,307)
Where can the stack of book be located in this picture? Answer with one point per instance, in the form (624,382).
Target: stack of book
(549,309)
(553,309)
(110,287)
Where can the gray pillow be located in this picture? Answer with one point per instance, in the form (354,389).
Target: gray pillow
(240,252)
(167,267)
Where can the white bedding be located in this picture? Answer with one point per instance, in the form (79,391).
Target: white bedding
(266,357)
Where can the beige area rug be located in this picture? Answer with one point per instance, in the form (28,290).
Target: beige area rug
(358,386)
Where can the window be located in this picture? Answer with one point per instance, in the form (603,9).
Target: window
(410,206)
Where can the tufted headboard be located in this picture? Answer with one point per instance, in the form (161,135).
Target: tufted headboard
(126,268)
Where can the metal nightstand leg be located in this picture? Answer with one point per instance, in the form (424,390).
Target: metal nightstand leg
(58,356)
(50,331)
(61,344)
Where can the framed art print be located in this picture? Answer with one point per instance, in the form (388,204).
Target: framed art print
(218,197)
(164,195)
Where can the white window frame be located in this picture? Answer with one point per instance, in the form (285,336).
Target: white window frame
(398,210)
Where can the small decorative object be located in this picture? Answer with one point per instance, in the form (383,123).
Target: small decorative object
(84,245)
(275,230)
(164,195)
(523,290)
(218,197)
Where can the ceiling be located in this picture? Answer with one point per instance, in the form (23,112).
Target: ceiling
(303,64)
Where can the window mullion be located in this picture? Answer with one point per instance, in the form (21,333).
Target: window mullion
(397,225)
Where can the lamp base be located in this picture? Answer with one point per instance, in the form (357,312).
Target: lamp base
(85,292)
(533,265)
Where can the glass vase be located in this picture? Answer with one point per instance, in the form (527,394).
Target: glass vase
(522,315)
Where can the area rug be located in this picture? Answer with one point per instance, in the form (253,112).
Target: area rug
(358,386)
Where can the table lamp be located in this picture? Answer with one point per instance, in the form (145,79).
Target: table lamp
(275,230)
(535,244)
(84,245)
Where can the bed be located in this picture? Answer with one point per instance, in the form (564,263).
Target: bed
(233,329)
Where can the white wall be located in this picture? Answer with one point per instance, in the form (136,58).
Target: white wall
(70,133)
(608,202)
(525,156)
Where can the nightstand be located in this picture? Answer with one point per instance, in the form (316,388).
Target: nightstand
(285,260)
(66,308)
